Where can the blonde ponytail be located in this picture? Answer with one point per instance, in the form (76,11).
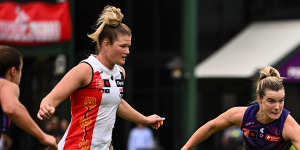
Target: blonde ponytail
(110,16)
(269,78)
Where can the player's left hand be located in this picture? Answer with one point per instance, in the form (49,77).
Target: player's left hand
(155,121)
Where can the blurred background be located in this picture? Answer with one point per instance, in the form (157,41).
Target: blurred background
(190,60)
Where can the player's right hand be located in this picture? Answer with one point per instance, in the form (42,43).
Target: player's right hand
(45,112)
(50,141)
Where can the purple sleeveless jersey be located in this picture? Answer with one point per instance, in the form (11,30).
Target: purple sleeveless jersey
(258,136)
(4,120)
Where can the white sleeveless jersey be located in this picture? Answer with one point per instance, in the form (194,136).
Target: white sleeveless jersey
(94,109)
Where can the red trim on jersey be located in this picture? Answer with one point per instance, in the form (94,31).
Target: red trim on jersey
(84,106)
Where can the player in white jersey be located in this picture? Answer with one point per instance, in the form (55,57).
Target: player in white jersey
(95,87)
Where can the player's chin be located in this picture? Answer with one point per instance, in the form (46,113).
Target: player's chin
(121,62)
(275,116)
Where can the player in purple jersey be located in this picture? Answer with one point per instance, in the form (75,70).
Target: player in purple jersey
(11,64)
(265,125)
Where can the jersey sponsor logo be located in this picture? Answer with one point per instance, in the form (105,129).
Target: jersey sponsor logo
(249,124)
(106,83)
(274,130)
(85,122)
(249,133)
(245,132)
(104,90)
(253,134)
(121,93)
(120,83)
(272,138)
(90,102)
(99,83)
(84,144)
(262,130)
(261,135)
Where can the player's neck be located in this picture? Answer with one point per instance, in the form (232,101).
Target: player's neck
(105,62)
(262,117)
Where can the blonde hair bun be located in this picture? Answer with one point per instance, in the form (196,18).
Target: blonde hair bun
(110,16)
(268,71)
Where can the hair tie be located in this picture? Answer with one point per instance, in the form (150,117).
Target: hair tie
(263,77)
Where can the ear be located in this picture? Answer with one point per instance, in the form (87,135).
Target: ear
(105,43)
(13,71)
(259,100)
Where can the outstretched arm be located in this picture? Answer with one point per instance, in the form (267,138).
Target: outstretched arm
(232,116)
(77,77)
(291,131)
(126,112)
(19,115)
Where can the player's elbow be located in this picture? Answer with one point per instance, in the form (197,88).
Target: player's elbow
(9,110)
(211,127)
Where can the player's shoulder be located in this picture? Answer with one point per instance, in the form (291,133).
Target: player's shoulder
(236,114)
(291,128)
(81,68)
(290,122)
(122,70)
(8,86)
(237,110)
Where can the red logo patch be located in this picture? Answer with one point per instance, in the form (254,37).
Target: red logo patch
(245,132)
(272,138)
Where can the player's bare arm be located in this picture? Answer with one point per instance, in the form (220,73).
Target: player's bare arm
(77,77)
(291,131)
(232,116)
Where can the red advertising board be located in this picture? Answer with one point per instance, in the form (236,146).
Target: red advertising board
(34,22)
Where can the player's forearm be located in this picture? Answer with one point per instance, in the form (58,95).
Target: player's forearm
(126,112)
(47,101)
(200,135)
(53,99)
(24,121)
(296,145)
